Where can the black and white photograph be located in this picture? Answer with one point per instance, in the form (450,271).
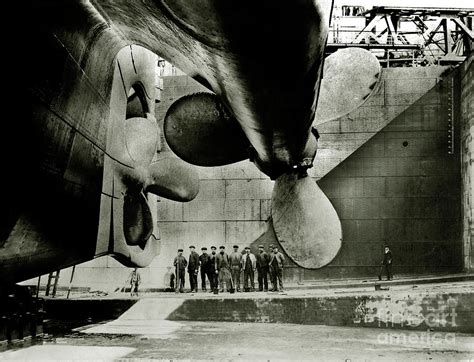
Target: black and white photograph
(239,180)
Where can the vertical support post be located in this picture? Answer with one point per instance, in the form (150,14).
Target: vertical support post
(38,287)
(70,282)
(56,279)
(48,285)
(448,40)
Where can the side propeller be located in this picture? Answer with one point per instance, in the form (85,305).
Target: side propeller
(168,177)
(349,78)
(201,130)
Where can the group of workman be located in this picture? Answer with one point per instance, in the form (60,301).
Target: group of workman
(222,269)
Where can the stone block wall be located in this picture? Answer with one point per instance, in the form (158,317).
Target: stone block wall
(420,310)
(384,166)
(401,188)
(410,310)
(466,113)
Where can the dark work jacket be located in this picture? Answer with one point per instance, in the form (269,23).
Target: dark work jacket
(212,263)
(387,258)
(181,262)
(222,261)
(253,261)
(263,260)
(205,261)
(193,263)
(277,260)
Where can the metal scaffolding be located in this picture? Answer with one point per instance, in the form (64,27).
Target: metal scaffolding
(415,36)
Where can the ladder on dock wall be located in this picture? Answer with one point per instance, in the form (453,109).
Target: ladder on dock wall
(53,276)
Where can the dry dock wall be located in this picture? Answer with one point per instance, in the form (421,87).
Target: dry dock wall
(435,312)
(465,80)
(442,312)
(386,167)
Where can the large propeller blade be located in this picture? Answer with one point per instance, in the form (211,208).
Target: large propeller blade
(200,130)
(305,222)
(349,77)
(137,219)
(173,179)
(141,139)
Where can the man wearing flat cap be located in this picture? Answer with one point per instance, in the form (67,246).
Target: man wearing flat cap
(277,261)
(212,269)
(180,270)
(236,266)
(204,261)
(263,261)
(249,264)
(270,270)
(193,268)
(386,263)
(223,269)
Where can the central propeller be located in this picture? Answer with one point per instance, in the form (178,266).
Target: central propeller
(305,222)
(202,130)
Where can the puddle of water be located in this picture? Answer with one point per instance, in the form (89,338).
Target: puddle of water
(161,329)
(60,352)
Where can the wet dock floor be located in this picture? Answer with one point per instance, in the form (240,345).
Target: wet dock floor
(141,339)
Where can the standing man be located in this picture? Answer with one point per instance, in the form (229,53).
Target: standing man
(180,264)
(204,261)
(223,269)
(387,263)
(270,274)
(193,268)
(135,281)
(212,269)
(263,260)
(236,266)
(276,265)
(249,264)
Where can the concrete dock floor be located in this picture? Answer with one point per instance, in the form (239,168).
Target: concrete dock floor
(322,289)
(249,341)
(317,286)
(145,331)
